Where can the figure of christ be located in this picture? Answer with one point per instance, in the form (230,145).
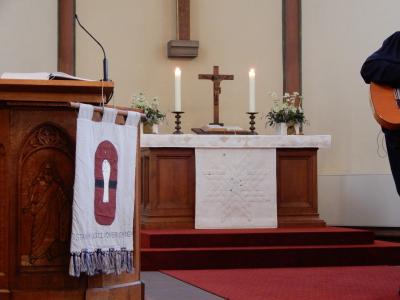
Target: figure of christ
(216,78)
(50,211)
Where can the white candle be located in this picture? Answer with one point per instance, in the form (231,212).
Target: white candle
(178,102)
(252,91)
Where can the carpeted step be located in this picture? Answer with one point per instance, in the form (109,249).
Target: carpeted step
(192,238)
(378,253)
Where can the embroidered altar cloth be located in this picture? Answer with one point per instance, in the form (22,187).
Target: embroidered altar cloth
(235,188)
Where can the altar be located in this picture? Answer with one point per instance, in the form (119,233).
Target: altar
(230,181)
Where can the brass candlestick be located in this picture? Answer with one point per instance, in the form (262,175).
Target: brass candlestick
(177,122)
(252,116)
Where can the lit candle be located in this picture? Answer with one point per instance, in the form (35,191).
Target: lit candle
(252,91)
(178,102)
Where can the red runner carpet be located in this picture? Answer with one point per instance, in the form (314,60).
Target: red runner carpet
(322,283)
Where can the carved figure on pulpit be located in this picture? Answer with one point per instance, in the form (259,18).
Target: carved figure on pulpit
(50,211)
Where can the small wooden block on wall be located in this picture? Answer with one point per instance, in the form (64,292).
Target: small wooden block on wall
(183,48)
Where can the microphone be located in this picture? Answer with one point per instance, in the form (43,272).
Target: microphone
(105,61)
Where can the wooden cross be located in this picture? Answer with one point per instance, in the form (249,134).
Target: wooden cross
(216,78)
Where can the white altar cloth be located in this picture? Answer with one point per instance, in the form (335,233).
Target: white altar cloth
(235,188)
(234,141)
(235,174)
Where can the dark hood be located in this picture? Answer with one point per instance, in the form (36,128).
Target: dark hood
(383,66)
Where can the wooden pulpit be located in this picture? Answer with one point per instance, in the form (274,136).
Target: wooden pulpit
(37,159)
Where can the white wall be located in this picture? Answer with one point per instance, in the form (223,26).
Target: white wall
(359,200)
(338,36)
(233,34)
(28,34)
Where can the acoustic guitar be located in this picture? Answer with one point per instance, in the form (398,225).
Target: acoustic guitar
(385,105)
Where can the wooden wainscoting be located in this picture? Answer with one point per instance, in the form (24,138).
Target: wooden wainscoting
(168,188)
(296,173)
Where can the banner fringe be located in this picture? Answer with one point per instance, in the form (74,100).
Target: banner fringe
(101,262)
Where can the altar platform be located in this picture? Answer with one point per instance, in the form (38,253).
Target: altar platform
(264,248)
(266,181)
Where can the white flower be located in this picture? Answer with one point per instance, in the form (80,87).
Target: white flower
(273,95)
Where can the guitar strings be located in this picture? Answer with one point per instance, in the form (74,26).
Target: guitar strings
(397,97)
(396,94)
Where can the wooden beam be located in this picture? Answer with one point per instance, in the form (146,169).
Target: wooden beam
(291,17)
(66,36)
(183,20)
(182,47)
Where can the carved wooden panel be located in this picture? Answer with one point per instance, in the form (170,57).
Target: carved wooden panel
(169,188)
(297,187)
(45,180)
(40,168)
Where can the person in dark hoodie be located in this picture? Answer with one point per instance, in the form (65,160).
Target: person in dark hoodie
(383,67)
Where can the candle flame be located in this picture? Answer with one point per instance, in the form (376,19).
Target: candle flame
(252,73)
(177,71)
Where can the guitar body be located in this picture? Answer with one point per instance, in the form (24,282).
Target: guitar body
(384,106)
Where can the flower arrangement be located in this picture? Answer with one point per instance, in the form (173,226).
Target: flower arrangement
(150,109)
(286,109)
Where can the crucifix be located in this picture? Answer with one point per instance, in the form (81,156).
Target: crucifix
(216,79)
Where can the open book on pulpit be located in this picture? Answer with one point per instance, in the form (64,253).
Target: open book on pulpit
(42,76)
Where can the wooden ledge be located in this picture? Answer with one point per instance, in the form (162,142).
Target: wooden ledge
(54,90)
(183,48)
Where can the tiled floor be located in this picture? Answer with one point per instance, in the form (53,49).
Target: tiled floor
(159,286)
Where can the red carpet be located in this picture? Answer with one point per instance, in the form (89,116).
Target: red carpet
(333,283)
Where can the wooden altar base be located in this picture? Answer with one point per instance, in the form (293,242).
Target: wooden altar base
(168,178)
(263,248)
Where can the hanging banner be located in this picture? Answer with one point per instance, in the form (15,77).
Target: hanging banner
(102,237)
